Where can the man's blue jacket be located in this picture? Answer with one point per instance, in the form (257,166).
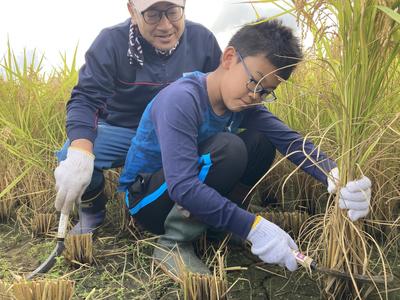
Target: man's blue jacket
(112,89)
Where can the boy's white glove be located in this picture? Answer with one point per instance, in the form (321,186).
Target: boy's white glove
(355,196)
(271,244)
(73,176)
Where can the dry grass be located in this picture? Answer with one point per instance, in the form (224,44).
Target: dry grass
(200,286)
(79,248)
(7,208)
(288,221)
(5,291)
(43,290)
(42,224)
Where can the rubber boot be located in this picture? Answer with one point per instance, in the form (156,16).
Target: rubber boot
(174,249)
(92,212)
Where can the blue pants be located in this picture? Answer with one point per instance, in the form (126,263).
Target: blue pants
(110,149)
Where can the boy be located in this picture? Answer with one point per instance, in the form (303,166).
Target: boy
(187,166)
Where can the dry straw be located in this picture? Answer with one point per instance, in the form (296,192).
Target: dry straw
(358,43)
(43,290)
(40,190)
(6,208)
(288,221)
(42,223)
(5,291)
(79,248)
(9,180)
(205,287)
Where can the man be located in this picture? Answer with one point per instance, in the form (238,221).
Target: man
(125,67)
(189,156)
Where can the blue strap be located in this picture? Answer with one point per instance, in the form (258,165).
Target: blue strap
(149,198)
(204,160)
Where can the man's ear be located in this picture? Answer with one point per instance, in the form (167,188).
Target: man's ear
(132,12)
(229,57)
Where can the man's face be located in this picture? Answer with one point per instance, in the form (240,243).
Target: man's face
(235,90)
(164,34)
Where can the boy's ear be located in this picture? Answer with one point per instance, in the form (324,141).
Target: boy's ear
(228,58)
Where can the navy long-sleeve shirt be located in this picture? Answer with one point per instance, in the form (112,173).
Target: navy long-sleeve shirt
(173,125)
(112,89)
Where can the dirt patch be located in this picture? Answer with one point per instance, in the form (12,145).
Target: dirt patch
(123,269)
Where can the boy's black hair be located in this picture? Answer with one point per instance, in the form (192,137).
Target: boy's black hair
(271,39)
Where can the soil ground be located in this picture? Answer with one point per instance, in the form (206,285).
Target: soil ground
(123,269)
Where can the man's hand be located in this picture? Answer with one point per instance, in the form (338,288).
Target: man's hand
(271,244)
(355,196)
(72,176)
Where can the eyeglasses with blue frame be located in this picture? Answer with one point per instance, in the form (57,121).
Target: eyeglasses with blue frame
(252,85)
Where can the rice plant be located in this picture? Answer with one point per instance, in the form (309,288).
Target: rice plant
(362,65)
(356,113)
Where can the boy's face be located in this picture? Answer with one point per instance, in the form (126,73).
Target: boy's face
(242,79)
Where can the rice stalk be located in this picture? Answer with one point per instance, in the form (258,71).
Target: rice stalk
(40,192)
(111,181)
(288,221)
(41,224)
(33,109)
(7,208)
(23,219)
(44,290)
(359,46)
(5,291)
(124,219)
(79,248)
(10,181)
(363,65)
(205,287)
(119,210)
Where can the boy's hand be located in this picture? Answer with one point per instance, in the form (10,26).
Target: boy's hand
(271,244)
(72,176)
(355,196)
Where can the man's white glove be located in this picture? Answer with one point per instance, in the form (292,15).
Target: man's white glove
(355,196)
(73,176)
(271,244)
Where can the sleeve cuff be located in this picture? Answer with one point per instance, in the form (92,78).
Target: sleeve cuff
(82,133)
(241,223)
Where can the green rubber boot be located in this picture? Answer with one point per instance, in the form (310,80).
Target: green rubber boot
(174,249)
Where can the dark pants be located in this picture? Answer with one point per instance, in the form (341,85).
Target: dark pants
(238,158)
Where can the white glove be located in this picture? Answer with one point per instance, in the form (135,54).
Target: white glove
(272,245)
(355,196)
(333,180)
(73,176)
